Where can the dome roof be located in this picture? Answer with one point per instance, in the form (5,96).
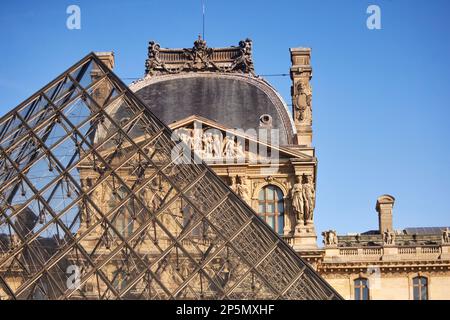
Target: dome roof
(234,100)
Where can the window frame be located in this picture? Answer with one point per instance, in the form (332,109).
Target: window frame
(276,202)
(361,286)
(420,287)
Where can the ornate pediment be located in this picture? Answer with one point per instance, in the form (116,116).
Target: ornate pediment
(199,58)
(215,143)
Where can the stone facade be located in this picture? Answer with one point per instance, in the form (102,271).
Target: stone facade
(239,125)
(388,260)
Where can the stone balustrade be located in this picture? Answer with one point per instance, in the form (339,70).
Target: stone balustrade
(387,252)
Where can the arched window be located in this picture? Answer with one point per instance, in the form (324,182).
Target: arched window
(123,218)
(420,288)
(271,207)
(361,289)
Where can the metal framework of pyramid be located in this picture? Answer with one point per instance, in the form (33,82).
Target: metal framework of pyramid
(96,204)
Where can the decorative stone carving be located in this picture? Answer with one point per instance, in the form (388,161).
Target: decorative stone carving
(310,199)
(446,236)
(200,58)
(211,144)
(229,147)
(389,237)
(153,60)
(303,200)
(302,102)
(242,190)
(244,61)
(297,197)
(217,145)
(208,145)
(330,238)
(233,183)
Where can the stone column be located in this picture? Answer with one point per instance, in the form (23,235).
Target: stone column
(301,92)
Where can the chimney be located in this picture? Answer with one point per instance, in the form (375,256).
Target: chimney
(384,206)
(107,57)
(301,93)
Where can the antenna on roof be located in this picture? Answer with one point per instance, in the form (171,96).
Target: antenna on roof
(203,19)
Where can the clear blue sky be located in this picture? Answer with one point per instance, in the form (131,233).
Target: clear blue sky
(381,97)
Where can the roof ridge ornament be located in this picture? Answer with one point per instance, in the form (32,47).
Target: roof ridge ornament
(200,58)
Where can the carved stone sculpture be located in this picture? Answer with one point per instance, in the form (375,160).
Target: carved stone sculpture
(200,55)
(244,61)
(242,189)
(153,60)
(200,58)
(389,237)
(330,238)
(217,145)
(302,102)
(310,198)
(446,236)
(229,147)
(297,197)
(208,145)
(233,183)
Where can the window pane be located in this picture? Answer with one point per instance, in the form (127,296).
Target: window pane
(271,221)
(365,293)
(357,293)
(279,194)
(423,281)
(261,194)
(280,224)
(424,293)
(416,293)
(270,207)
(270,195)
(261,208)
(280,207)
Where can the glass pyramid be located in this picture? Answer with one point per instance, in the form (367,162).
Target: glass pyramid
(98,201)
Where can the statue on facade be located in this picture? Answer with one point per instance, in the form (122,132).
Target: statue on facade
(239,150)
(208,145)
(330,238)
(228,147)
(244,61)
(242,190)
(310,199)
(153,61)
(197,143)
(297,198)
(302,102)
(233,183)
(200,55)
(446,236)
(217,145)
(389,237)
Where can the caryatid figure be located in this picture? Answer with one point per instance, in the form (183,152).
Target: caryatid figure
(297,196)
(309,195)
